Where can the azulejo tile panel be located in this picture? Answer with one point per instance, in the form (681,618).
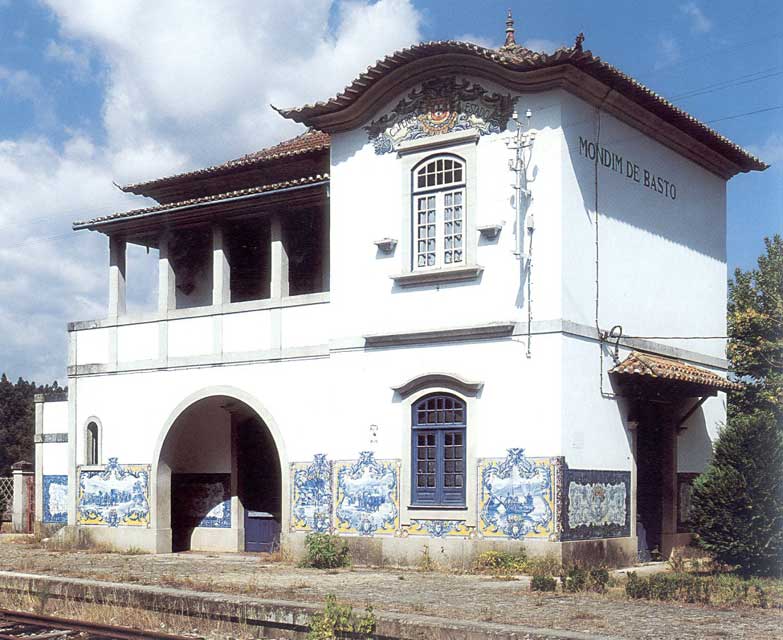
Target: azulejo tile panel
(597,504)
(439,528)
(55,499)
(202,499)
(311,495)
(117,495)
(517,496)
(441,105)
(367,500)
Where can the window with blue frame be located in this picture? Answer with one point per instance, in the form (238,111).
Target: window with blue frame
(438,429)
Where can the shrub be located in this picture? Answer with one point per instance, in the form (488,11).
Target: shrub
(737,504)
(721,590)
(543,583)
(574,579)
(325,551)
(502,562)
(544,566)
(339,619)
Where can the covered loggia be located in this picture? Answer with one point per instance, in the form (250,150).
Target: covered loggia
(219,479)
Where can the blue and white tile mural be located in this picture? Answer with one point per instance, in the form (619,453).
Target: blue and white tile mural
(203,499)
(117,495)
(439,528)
(597,504)
(311,499)
(55,499)
(517,496)
(367,500)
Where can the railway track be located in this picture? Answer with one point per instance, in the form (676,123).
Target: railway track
(15,626)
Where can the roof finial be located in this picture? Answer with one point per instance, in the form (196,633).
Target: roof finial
(579,40)
(510,41)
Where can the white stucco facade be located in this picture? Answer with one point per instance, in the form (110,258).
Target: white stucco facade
(516,340)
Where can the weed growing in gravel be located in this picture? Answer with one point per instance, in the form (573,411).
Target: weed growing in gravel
(338,619)
(325,552)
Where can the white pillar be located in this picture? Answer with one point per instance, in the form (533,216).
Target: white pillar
(22,473)
(221,269)
(279,282)
(38,399)
(117,253)
(167,293)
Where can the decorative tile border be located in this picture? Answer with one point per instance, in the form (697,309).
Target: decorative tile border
(117,495)
(367,500)
(439,528)
(55,499)
(684,492)
(597,504)
(204,498)
(311,495)
(517,496)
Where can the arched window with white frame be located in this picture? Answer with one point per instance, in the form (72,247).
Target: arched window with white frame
(438,212)
(438,426)
(92,447)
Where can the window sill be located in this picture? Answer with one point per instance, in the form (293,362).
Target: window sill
(430,507)
(437,276)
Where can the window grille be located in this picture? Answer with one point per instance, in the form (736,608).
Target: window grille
(439,213)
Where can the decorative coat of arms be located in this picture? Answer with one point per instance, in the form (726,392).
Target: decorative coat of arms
(517,496)
(441,105)
(367,496)
(114,496)
(312,495)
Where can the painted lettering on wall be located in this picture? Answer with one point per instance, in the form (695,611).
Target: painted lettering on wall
(626,168)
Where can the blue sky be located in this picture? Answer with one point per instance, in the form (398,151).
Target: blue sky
(94,91)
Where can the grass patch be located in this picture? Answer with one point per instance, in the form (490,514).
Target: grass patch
(723,590)
(501,563)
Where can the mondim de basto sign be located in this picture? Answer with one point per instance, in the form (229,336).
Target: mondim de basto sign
(626,168)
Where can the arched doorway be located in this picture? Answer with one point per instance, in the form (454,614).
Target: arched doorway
(219,478)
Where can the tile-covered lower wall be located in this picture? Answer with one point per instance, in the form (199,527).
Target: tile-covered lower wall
(684,490)
(114,495)
(203,499)
(55,499)
(518,497)
(597,504)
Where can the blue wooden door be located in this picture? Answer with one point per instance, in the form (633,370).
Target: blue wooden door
(262,531)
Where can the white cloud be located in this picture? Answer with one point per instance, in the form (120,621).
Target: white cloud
(21,85)
(77,59)
(700,23)
(668,52)
(479,40)
(541,45)
(771,150)
(186,84)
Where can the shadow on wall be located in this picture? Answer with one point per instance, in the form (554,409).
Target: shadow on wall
(665,198)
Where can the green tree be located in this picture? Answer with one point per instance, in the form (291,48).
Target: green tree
(755,324)
(17,420)
(737,504)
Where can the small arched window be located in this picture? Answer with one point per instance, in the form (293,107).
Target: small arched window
(439,422)
(93,444)
(438,212)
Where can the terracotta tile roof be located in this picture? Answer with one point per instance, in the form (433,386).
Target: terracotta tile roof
(193,202)
(659,367)
(518,58)
(308,142)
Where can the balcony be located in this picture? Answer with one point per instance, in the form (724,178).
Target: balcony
(246,288)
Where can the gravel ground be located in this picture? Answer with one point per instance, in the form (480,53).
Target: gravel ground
(465,597)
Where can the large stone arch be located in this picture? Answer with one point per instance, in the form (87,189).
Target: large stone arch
(160,476)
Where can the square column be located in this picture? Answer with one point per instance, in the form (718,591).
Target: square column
(221,268)
(279,276)
(22,517)
(117,259)
(167,292)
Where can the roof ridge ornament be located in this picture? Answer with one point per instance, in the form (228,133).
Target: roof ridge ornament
(510,33)
(579,41)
